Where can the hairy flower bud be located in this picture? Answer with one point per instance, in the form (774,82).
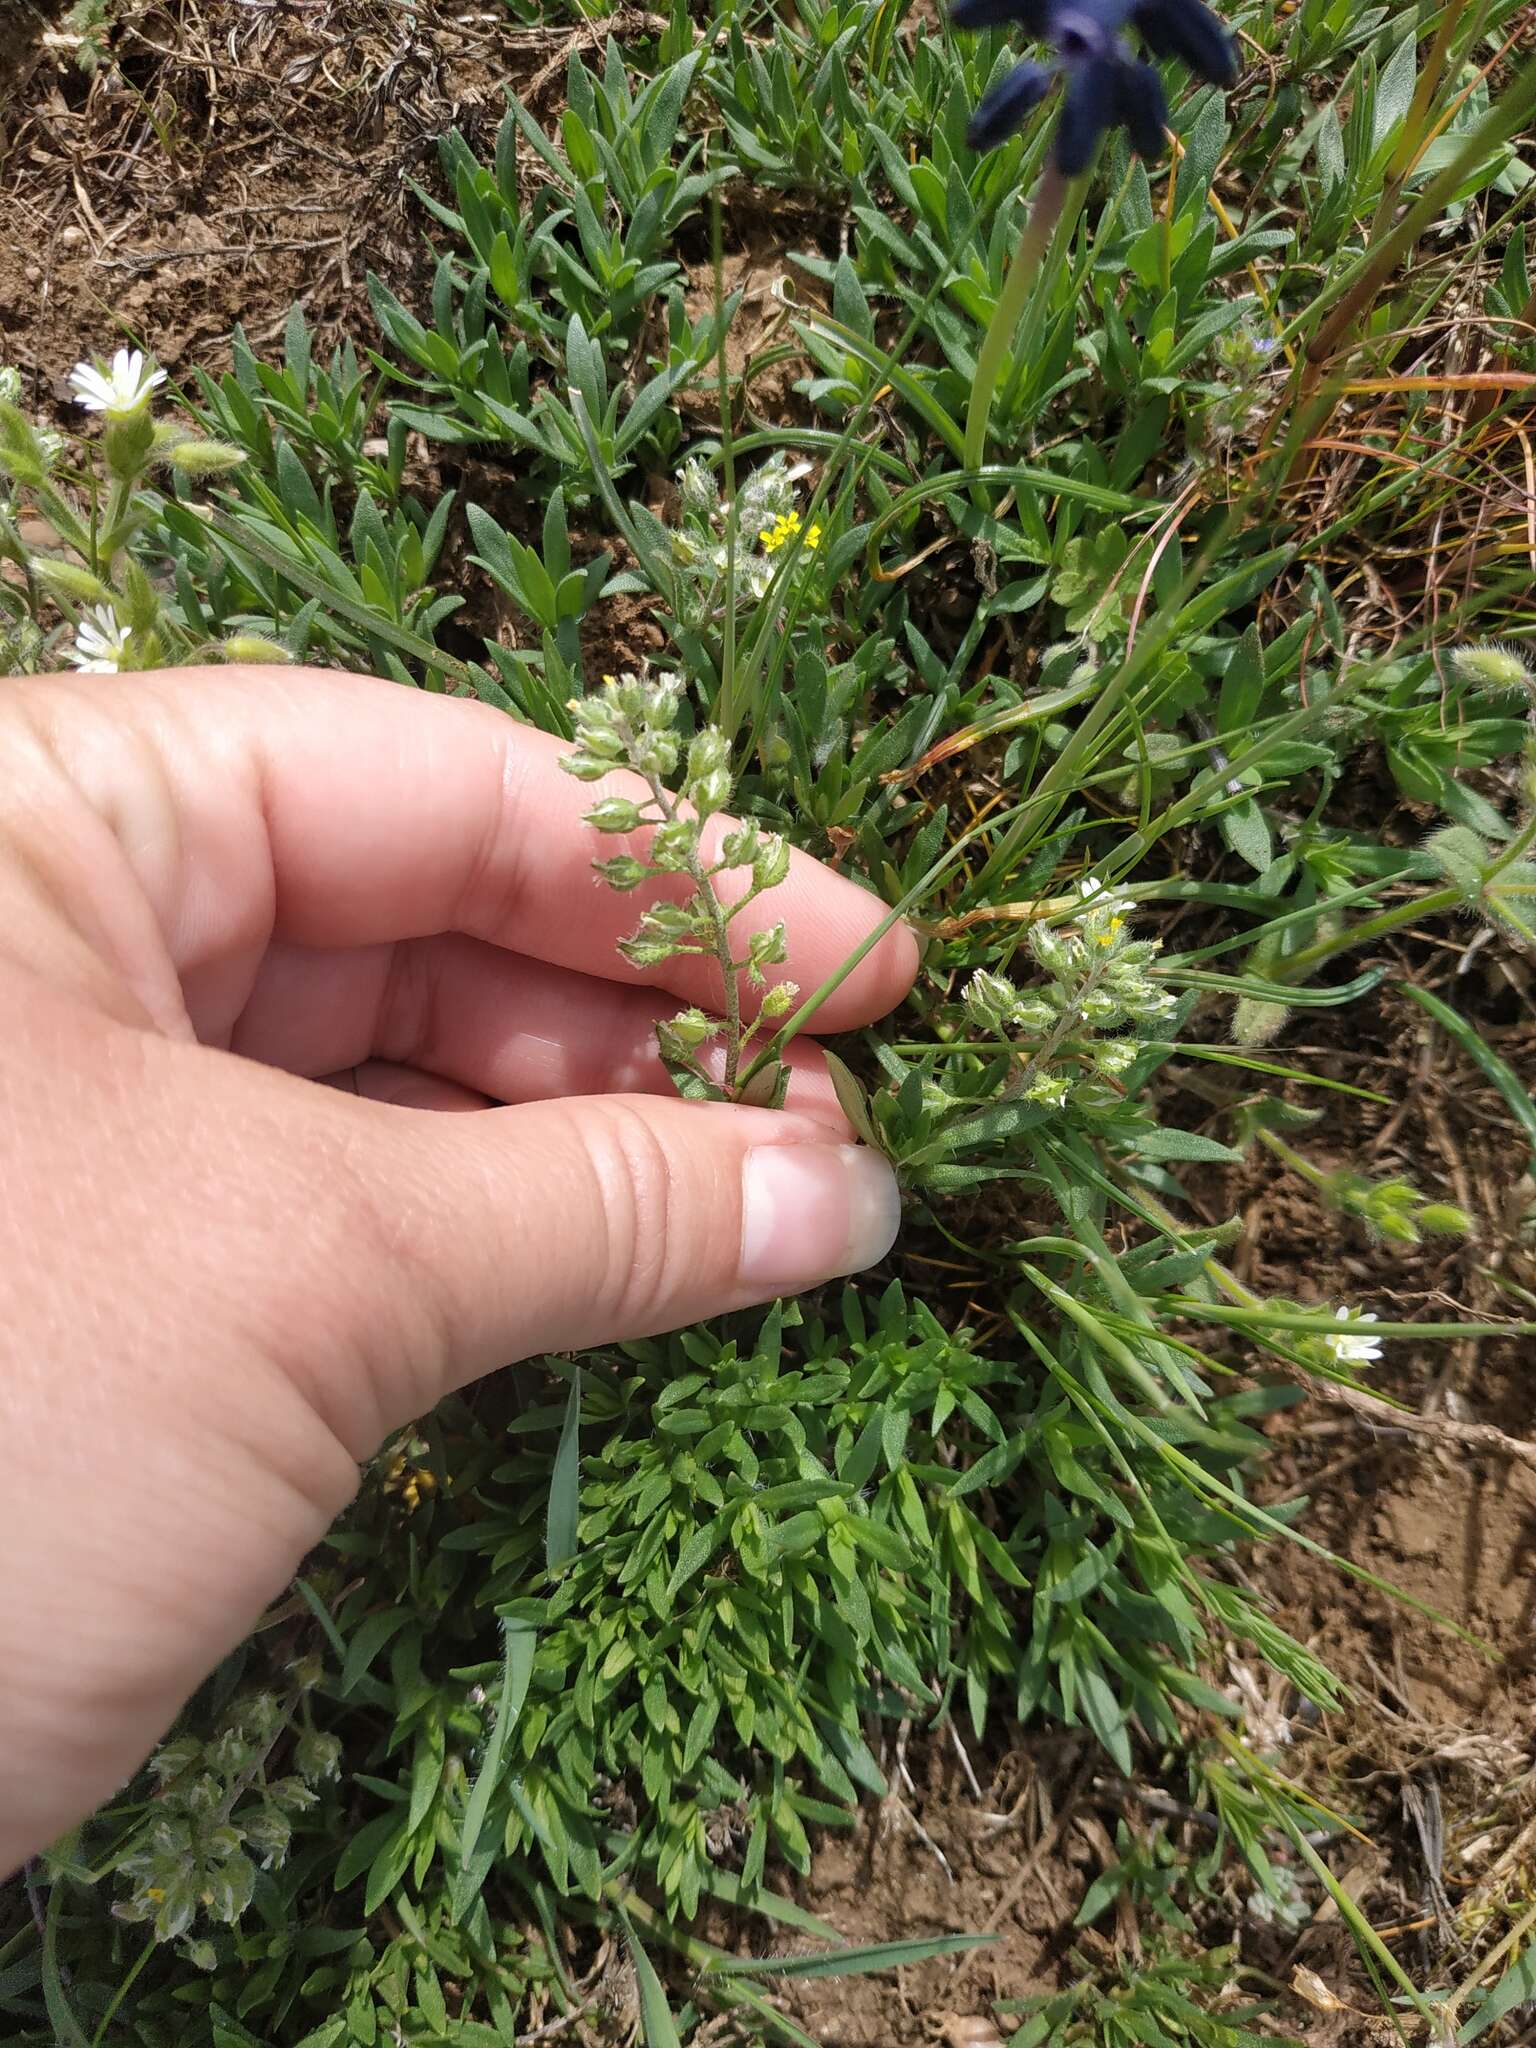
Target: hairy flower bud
(710,794)
(614,814)
(203,458)
(668,921)
(622,872)
(253,647)
(585,767)
(697,488)
(657,755)
(989,1001)
(1495,667)
(1033,1014)
(1114,1055)
(597,737)
(707,783)
(674,845)
(1460,855)
(771,863)
(641,951)
(1050,949)
(691,1028)
(738,849)
(71,579)
(766,949)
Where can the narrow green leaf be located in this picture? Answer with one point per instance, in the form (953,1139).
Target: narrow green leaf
(852,1100)
(1174,1144)
(1456,1027)
(565,1484)
(516,1670)
(851,1962)
(657,2025)
(67,2029)
(1515,1987)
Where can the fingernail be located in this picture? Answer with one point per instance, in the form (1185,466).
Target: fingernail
(812,1212)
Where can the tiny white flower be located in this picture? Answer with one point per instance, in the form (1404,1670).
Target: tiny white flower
(1101,895)
(120,391)
(1099,900)
(100,641)
(1349,1349)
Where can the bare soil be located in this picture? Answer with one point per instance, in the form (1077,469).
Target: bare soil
(227,159)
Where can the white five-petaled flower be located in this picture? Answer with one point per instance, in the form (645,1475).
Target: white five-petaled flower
(100,641)
(1348,1348)
(1099,895)
(120,391)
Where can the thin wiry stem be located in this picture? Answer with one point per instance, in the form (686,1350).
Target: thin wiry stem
(1026,267)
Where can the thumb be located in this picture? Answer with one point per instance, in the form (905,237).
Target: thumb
(265,1280)
(561,1224)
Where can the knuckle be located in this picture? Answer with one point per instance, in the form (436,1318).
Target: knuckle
(495,873)
(644,1251)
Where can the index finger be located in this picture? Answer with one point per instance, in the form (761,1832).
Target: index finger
(344,811)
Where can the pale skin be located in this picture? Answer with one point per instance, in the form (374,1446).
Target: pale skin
(221,1285)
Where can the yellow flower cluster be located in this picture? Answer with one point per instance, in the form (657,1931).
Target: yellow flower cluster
(784,529)
(412,1482)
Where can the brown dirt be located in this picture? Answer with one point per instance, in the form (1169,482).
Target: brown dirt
(229,159)
(223,162)
(1434,1757)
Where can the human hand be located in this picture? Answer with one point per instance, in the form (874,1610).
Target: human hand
(222,1286)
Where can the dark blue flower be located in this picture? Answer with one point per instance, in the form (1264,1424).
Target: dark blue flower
(1105,86)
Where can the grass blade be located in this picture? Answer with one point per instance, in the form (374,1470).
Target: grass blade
(565,1484)
(657,2026)
(852,1962)
(1475,1046)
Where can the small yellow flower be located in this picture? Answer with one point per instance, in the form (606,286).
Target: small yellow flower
(813,538)
(1111,931)
(783,529)
(412,1482)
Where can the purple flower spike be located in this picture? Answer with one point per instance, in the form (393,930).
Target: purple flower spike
(1106,87)
(1090,105)
(1142,106)
(1009,104)
(1189,31)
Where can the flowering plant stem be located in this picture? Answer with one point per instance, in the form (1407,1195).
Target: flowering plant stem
(1069,1021)
(1027,267)
(720,938)
(1289,1156)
